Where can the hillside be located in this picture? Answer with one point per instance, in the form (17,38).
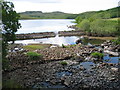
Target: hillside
(99,23)
(105,14)
(47,15)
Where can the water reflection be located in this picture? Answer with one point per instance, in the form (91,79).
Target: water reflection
(54,40)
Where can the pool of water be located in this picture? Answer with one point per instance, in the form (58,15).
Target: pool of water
(63,73)
(86,65)
(47,85)
(108,59)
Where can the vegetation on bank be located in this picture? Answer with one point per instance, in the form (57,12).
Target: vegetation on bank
(97,55)
(63,63)
(99,23)
(116,41)
(47,15)
(33,47)
(34,55)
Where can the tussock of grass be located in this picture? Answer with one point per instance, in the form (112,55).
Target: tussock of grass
(63,62)
(34,55)
(97,54)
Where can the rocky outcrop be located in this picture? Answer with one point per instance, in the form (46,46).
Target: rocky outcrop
(110,48)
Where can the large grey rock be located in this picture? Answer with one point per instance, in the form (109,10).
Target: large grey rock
(111,53)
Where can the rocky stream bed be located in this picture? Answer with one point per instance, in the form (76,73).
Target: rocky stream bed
(81,72)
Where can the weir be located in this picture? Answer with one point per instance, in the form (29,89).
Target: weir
(48,34)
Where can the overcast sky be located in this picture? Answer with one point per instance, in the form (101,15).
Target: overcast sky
(68,6)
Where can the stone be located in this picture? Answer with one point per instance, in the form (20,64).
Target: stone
(111,53)
(67,82)
(114,69)
(82,68)
(112,79)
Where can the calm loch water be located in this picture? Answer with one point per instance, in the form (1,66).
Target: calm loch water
(49,25)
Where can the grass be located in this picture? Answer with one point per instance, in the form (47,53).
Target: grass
(97,55)
(63,62)
(34,55)
(33,47)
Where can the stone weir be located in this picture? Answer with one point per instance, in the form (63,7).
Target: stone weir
(35,35)
(71,33)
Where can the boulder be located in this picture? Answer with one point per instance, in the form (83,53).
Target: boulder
(114,69)
(111,53)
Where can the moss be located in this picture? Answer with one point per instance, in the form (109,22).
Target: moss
(63,62)
(97,55)
(34,55)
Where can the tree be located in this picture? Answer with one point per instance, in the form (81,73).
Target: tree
(10,21)
(10,25)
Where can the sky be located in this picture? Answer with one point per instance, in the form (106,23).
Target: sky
(67,6)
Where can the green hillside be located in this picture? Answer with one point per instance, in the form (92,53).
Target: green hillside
(48,15)
(105,14)
(99,23)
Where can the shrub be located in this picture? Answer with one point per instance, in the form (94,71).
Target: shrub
(85,24)
(63,62)
(34,55)
(97,55)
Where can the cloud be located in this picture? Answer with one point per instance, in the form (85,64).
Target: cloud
(39,1)
(68,6)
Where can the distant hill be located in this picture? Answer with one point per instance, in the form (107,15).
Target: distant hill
(110,13)
(104,14)
(47,15)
